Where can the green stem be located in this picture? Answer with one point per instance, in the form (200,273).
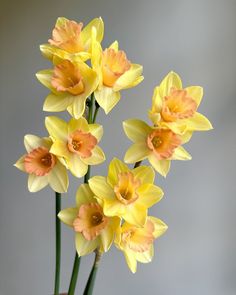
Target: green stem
(74,275)
(58,244)
(75,270)
(96,112)
(91,280)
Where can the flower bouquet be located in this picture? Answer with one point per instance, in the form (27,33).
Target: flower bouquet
(111,209)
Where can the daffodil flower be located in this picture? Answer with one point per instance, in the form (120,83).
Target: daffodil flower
(158,145)
(42,166)
(137,242)
(115,73)
(93,229)
(126,193)
(176,108)
(76,143)
(71,41)
(70,84)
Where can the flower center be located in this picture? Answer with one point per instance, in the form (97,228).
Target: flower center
(67,36)
(126,188)
(67,78)
(163,143)
(178,105)
(139,239)
(39,161)
(114,64)
(90,221)
(81,143)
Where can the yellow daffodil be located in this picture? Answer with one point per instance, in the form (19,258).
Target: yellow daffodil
(115,73)
(76,142)
(70,84)
(158,145)
(176,107)
(92,228)
(71,41)
(137,242)
(42,166)
(126,193)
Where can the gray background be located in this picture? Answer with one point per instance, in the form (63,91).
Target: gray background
(198,40)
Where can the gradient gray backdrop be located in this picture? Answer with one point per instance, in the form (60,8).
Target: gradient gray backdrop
(198,40)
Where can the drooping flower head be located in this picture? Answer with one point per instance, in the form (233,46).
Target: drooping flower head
(126,193)
(137,242)
(176,108)
(42,166)
(70,84)
(93,229)
(115,73)
(71,41)
(76,142)
(158,145)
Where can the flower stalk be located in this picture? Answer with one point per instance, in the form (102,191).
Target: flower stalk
(58,244)
(91,280)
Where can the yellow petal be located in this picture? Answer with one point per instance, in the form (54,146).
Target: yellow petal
(86,32)
(84,195)
(136,130)
(100,187)
(171,80)
(36,183)
(57,128)
(77,167)
(130,78)
(107,235)
(160,226)
(116,166)
(20,164)
(145,174)
(115,45)
(97,157)
(161,166)
(78,124)
(181,154)
(198,122)
(45,77)
(131,260)
(135,214)
(77,108)
(149,195)
(186,136)
(57,103)
(137,152)
(96,130)
(145,257)
(84,246)
(111,207)
(58,178)
(195,92)
(107,98)
(59,148)
(32,142)
(68,215)
(156,100)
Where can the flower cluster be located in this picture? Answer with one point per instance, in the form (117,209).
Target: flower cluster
(113,208)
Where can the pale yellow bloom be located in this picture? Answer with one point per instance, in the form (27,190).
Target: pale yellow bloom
(92,228)
(42,166)
(137,242)
(70,84)
(158,145)
(76,143)
(115,73)
(126,193)
(71,41)
(175,107)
